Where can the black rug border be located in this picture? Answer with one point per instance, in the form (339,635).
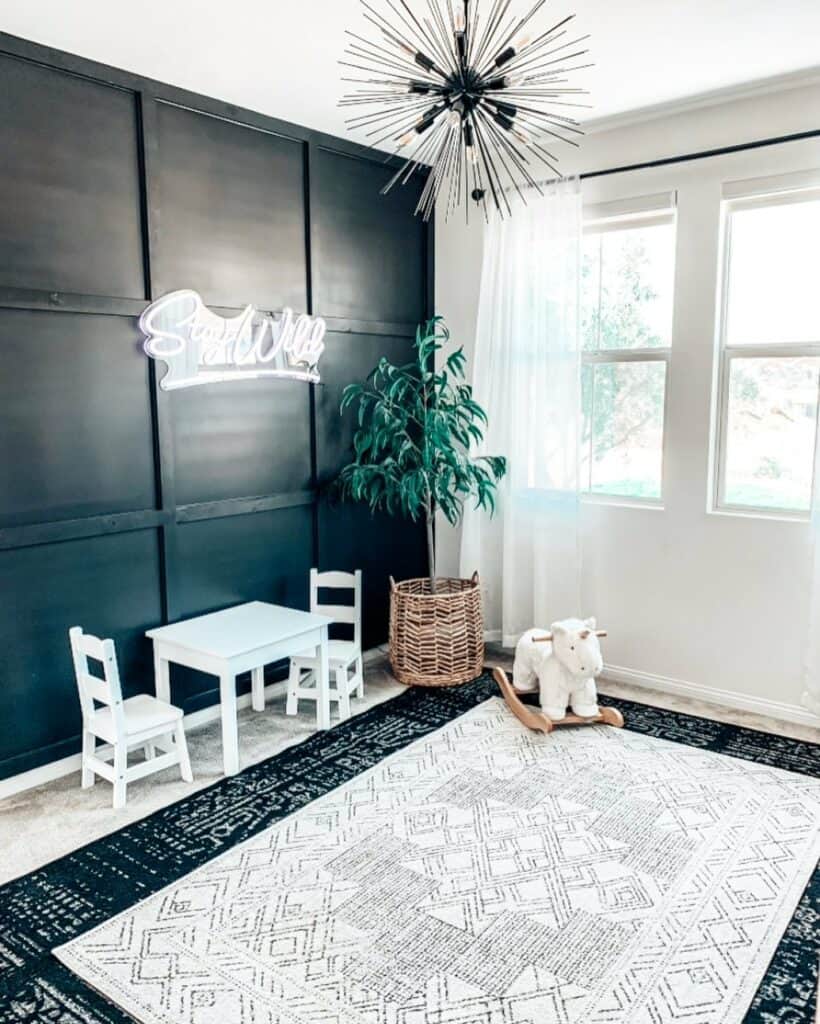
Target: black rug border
(785,995)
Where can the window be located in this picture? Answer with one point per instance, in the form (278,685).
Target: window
(627,285)
(769,360)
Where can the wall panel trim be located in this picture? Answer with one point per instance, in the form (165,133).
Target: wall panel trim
(242,506)
(175,564)
(32,534)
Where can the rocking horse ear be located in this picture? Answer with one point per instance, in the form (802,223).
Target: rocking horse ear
(592,622)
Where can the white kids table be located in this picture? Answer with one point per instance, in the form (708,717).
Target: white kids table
(241,639)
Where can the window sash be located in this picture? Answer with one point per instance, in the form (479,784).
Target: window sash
(636,355)
(727,357)
(757,193)
(602,218)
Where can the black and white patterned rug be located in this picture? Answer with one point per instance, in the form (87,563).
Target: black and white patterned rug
(506,876)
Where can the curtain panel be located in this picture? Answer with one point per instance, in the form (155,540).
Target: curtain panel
(527,376)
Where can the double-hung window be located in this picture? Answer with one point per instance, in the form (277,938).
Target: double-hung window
(769,346)
(627,287)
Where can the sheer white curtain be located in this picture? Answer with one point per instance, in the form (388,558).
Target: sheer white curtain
(527,376)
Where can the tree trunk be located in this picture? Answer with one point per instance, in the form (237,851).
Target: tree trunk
(431,552)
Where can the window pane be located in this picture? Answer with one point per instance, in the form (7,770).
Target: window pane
(773,278)
(627,283)
(770,432)
(623,428)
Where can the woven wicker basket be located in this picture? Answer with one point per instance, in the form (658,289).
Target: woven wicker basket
(436,639)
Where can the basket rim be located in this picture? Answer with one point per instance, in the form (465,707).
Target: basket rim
(473,581)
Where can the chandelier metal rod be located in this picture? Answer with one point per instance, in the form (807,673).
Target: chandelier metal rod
(411,16)
(497,14)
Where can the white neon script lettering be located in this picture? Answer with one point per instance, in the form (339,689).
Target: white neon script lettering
(179,328)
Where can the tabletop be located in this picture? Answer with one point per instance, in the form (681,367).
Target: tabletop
(239,630)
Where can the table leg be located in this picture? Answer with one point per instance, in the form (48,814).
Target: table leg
(230,732)
(323,684)
(258,689)
(162,676)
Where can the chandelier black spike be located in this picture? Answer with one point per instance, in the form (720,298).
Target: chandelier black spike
(466,90)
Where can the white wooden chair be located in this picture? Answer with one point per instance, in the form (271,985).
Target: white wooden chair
(122,725)
(344,656)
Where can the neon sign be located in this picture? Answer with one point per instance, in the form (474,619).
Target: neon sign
(201,347)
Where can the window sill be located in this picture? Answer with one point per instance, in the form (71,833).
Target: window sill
(622,501)
(762,513)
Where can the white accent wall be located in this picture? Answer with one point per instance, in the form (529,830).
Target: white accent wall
(708,604)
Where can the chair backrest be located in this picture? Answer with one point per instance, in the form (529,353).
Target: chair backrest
(91,688)
(351,614)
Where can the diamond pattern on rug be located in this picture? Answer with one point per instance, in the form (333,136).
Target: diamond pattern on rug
(484,874)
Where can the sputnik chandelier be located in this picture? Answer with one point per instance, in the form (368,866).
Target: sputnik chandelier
(476,99)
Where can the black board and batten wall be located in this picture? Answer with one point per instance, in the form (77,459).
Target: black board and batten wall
(123,506)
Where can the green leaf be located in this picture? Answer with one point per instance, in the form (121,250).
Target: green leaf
(410,452)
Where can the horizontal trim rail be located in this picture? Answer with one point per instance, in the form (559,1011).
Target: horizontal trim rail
(33,534)
(243,506)
(70,302)
(38,300)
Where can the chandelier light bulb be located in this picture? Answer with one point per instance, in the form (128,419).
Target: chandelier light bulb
(406,139)
(460,16)
(454,119)
(402,45)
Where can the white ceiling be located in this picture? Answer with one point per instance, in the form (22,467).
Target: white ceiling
(280,56)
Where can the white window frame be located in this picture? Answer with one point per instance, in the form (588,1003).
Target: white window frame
(749,195)
(599,218)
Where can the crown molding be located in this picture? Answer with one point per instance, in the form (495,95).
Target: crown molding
(704,100)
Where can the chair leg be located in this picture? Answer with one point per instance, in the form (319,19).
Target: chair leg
(360,677)
(150,751)
(292,706)
(184,759)
(120,768)
(89,745)
(344,696)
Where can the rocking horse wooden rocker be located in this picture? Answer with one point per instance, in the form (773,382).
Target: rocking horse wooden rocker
(561,664)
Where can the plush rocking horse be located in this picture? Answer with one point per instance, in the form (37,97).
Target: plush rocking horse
(561,665)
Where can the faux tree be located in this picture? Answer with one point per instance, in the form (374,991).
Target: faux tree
(416,424)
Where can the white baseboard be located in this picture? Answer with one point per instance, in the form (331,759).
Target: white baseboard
(712,695)
(709,694)
(66,765)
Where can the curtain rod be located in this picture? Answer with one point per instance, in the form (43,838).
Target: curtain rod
(683,158)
